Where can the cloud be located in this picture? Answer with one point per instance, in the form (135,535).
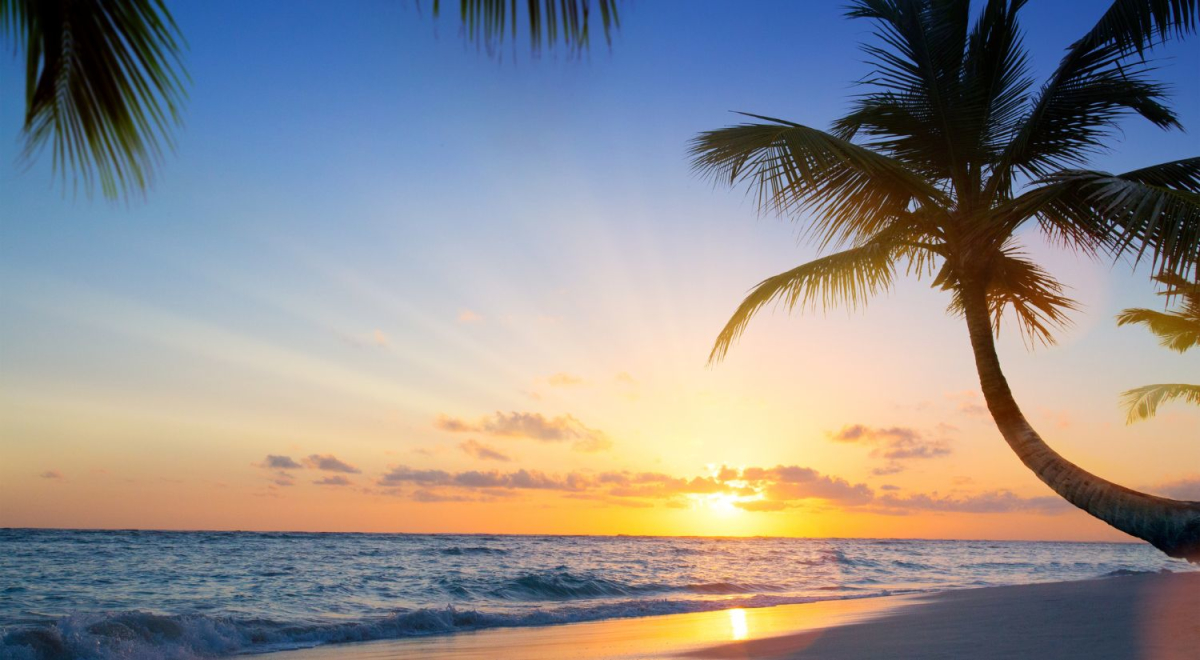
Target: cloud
(762,505)
(997,501)
(894,444)
(520,479)
(329,463)
(51,474)
(534,426)
(274,462)
(1187,488)
(625,378)
(467,316)
(969,402)
(334,481)
(283,479)
(752,489)
(562,379)
(482,451)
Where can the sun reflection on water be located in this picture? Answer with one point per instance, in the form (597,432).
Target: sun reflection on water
(737,624)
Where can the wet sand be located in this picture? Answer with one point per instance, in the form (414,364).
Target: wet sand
(1154,617)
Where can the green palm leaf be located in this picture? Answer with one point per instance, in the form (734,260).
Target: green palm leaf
(1143,402)
(103,86)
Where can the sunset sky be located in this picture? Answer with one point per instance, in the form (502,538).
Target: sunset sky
(388,283)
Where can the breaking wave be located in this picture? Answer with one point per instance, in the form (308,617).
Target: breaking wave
(143,635)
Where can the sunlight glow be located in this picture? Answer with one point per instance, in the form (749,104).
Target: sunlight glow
(737,624)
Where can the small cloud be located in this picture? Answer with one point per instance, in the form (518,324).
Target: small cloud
(334,481)
(51,474)
(889,487)
(482,451)
(896,444)
(467,316)
(969,402)
(625,379)
(762,505)
(283,479)
(329,463)
(274,462)
(379,338)
(534,426)
(562,379)
(1187,488)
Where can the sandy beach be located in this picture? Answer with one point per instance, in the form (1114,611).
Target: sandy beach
(1155,617)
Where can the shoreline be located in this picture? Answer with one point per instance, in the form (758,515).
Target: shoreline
(1151,616)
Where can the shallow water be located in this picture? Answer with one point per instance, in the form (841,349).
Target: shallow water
(135,594)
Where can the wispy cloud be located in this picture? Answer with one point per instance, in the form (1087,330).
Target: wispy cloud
(535,426)
(275,462)
(467,316)
(337,480)
(1187,488)
(329,463)
(563,379)
(482,451)
(895,444)
(52,474)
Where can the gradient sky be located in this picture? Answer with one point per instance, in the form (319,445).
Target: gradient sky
(389,284)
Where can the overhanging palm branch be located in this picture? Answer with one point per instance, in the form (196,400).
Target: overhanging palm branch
(852,191)
(489,22)
(104,86)
(849,277)
(1143,402)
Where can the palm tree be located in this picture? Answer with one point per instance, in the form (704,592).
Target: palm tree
(946,156)
(1178,331)
(104,79)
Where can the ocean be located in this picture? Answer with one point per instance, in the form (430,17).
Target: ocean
(146,594)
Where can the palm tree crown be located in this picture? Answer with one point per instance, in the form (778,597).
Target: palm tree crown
(950,129)
(946,156)
(1178,331)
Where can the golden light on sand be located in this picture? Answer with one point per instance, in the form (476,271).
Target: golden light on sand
(737,624)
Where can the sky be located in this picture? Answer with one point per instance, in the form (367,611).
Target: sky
(389,283)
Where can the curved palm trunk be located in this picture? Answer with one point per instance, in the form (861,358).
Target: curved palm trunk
(1172,526)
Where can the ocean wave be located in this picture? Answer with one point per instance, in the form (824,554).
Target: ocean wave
(562,585)
(143,635)
(1121,572)
(472,550)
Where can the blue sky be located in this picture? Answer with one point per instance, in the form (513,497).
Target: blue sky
(367,223)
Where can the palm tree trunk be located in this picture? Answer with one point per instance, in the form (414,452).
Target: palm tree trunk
(1172,526)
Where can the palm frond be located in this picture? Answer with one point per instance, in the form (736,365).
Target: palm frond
(1074,114)
(851,191)
(982,90)
(490,22)
(104,86)
(850,277)
(1020,286)
(918,69)
(1134,25)
(1137,217)
(1143,402)
(1175,331)
(1153,210)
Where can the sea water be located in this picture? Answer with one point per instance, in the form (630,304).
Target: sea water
(145,594)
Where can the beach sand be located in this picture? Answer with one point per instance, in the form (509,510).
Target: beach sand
(1155,617)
